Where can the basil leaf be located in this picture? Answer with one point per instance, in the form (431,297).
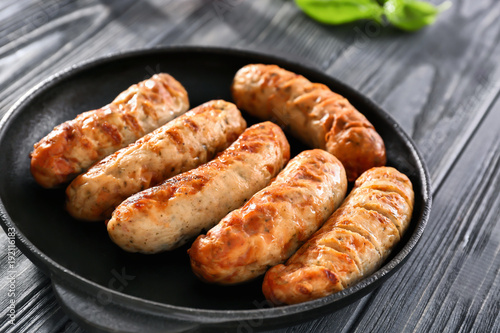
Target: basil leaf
(412,15)
(341,11)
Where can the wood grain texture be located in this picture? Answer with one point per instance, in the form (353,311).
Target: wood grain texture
(442,84)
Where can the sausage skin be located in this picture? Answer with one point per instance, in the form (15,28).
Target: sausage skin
(351,245)
(312,112)
(272,225)
(178,146)
(75,145)
(168,215)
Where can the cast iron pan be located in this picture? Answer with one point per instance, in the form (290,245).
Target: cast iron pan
(106,289)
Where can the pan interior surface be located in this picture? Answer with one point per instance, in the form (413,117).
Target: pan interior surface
(84,249)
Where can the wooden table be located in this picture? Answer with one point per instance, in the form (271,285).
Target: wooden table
(442,84)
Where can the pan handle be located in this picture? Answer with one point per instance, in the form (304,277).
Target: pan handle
(99,311)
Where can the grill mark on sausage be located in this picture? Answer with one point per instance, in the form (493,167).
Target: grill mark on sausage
(349,243)
(349,223)
(112,132)
(390,188)
(362,233)
(183,184)
(176,138)
(331,276)
(342,264)
(387,204)
(191,124)
(69,131)
(332,248)
(132,123)
(259,219)
(306,173)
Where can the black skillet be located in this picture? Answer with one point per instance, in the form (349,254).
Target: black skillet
(106,289)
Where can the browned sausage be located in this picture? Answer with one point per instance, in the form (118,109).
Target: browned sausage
(180,145)
(351,245)
(312,112)
(168,215)
(273,223)
(75,145)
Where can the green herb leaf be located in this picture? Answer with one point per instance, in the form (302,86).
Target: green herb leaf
(341,11)
(412,15)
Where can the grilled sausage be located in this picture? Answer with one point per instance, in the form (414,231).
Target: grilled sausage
(312,112)
(75,145)
(272,225)
(351,245)
(168,215)
(180,145)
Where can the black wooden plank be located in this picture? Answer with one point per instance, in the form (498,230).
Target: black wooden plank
(94,29)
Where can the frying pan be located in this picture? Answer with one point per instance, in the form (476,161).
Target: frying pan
(106,289)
